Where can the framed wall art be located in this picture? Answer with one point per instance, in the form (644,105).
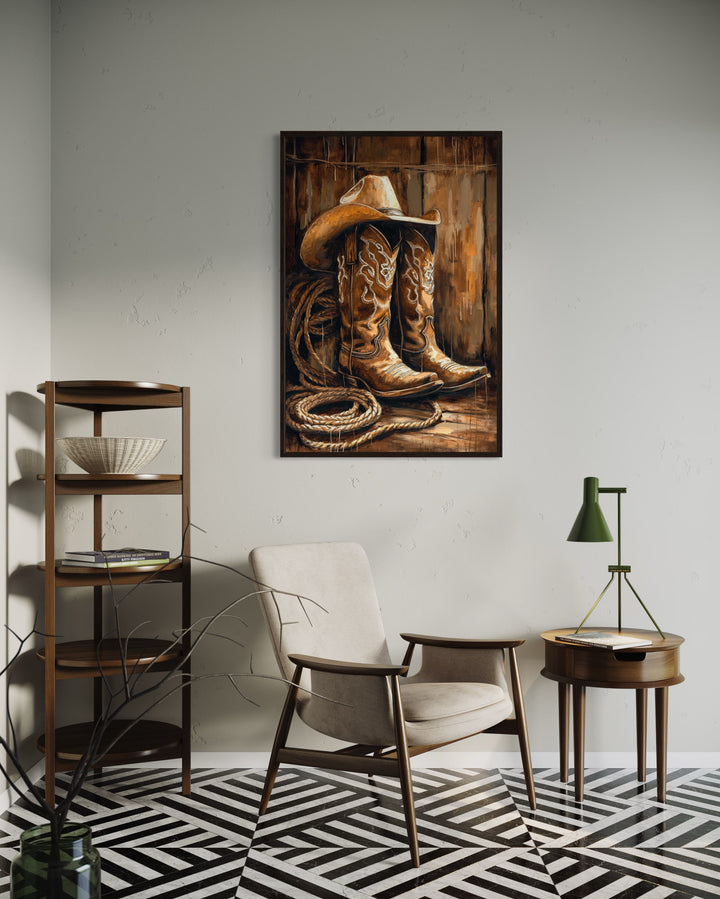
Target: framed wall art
(391,283)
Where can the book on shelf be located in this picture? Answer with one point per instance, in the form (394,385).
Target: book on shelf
(127,563)
(608,640)
(125,554)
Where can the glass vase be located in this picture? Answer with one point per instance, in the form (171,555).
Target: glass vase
(67,869)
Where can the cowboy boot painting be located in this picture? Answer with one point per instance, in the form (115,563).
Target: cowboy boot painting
(415,290)
(366,273)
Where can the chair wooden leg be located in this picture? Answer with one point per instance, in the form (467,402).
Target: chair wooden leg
(522,727)
(281,735)
(405,773)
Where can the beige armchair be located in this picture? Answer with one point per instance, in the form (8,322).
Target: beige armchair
(325,625)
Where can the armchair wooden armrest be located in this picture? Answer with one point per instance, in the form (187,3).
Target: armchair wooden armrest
(461,642)
(456,643)
(333,666)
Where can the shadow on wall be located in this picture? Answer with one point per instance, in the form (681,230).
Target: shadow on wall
(25,685)
(236,694)
(238,644)
(24,426)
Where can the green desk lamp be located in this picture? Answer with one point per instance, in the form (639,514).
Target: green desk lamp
(590,527)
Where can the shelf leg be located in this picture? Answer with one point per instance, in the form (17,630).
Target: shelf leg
(97,636)
(50,593)
(186,707)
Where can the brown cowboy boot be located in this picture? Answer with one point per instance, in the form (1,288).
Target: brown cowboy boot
(366,271)
(416,285)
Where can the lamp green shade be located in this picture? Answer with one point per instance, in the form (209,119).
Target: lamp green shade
(590,525)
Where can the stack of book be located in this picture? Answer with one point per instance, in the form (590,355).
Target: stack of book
(127,557)
(607,639)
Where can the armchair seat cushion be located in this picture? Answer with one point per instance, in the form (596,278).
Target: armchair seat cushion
(429,702)
(440,713)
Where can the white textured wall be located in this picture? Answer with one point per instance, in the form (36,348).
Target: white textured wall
(166,224)
(24,327)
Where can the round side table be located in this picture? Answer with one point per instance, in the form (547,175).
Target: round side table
(640,668)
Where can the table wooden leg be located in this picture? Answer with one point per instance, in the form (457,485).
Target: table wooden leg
(661,721)
(564,719)
(641,722)
(579,740)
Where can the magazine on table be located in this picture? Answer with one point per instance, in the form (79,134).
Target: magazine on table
(606,639)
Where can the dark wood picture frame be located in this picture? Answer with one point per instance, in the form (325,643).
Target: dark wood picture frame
(370,367)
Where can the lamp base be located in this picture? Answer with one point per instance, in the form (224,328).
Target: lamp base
(620,569)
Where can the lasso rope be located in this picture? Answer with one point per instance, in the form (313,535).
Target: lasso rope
(313,302)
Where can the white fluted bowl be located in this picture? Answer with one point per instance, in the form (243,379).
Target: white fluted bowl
(111,455)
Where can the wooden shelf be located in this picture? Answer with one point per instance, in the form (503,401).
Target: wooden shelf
(98,396)
(84,576)
(117,484)
(139,387)
(69,568)
(81,658)
(145,741)
(113,478)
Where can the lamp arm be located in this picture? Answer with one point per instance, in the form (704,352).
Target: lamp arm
(619,544)
(619,491)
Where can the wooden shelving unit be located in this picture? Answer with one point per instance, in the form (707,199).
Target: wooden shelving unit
(91,658)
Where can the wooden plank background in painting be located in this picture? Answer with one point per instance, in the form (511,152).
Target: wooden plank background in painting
(458,174)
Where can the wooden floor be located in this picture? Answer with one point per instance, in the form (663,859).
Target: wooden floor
(469,425)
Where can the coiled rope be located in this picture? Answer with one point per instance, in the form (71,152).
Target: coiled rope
(314,320)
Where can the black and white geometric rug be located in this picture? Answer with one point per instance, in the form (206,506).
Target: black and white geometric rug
(332,834)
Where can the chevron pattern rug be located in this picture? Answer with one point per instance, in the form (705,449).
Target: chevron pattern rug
(332,834)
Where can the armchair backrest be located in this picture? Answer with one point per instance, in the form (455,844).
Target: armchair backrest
(329,607)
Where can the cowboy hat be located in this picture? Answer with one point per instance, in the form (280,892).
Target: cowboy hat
(372,199)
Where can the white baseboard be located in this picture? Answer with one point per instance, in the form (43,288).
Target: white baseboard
(9,795)
(473,760)
(224,760)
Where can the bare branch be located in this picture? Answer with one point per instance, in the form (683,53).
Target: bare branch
(136,691)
